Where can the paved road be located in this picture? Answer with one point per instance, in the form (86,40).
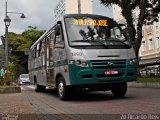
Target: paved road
(143,103)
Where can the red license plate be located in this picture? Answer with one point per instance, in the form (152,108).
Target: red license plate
(111,72)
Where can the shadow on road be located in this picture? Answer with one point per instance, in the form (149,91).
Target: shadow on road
(90,96)
(84,96)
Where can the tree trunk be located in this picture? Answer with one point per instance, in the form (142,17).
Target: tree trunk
(138,37)
(127,14)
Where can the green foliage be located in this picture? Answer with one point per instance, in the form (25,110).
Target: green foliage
(24,40)
(1,49)
(7,79)
(17,44)
(32,34)
(12,68)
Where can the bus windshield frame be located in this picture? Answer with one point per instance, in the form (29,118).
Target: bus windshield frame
(92,32)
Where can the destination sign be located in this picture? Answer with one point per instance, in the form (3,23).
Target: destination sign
(90,22)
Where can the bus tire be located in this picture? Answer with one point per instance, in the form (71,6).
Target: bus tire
(39,88)
(63,91)
(119,90)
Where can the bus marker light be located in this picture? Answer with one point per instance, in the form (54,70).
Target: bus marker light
(65,69)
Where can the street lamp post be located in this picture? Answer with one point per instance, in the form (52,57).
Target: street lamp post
(7,21)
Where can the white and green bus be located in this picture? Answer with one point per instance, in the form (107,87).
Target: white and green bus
(83,52)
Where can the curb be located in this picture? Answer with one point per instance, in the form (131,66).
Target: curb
(15,89)
(144,85)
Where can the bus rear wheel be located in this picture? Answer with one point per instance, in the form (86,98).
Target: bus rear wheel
(63,91)
(39,88)
(119,90)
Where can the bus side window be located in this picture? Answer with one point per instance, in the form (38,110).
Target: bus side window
(51,49)
(40,47)
(59,36)
(35,49)
(53,37)
(31,54)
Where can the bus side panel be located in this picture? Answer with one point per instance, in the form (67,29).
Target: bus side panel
(41,77)
(61,64)
(60,56)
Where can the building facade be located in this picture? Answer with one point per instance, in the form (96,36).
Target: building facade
(149,52)
(71,7)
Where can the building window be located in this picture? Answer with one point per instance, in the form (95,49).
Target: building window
(150,44)
(143,46)
(158,42)
(149,29)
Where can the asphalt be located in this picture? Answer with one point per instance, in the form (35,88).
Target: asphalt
(155,85)
(145,85)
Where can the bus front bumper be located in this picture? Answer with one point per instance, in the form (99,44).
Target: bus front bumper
(81,76)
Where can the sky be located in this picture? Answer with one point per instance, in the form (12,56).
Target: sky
(39,13)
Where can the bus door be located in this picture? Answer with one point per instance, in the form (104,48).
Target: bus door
(60,56)
(50,59)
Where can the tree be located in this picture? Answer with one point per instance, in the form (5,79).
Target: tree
(17,44)
(149,10)
(31,35)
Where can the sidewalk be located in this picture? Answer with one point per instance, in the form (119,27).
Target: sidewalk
(145,85)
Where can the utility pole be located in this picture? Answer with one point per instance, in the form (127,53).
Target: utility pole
(7,21)
(79,6)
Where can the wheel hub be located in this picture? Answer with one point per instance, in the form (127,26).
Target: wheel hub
(60,89)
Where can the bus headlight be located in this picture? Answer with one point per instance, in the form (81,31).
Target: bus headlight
(133,61)
(81,63)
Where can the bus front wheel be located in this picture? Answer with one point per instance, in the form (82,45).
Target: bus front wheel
(63,91)
(119,90)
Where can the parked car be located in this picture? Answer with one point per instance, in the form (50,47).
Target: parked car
(23,79)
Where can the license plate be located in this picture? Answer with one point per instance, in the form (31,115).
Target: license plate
(111,72)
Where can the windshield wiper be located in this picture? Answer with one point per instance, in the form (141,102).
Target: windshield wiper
(91,41)
(80,41)
(102,43)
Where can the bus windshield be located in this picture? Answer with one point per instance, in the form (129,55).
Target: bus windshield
(95,32)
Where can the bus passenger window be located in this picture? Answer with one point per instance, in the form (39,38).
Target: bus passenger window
(42,47)
(59,37)
(35,52)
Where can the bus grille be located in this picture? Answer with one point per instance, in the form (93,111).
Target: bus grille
(108,64)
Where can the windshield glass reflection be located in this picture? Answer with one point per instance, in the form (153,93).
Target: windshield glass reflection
(89,31)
